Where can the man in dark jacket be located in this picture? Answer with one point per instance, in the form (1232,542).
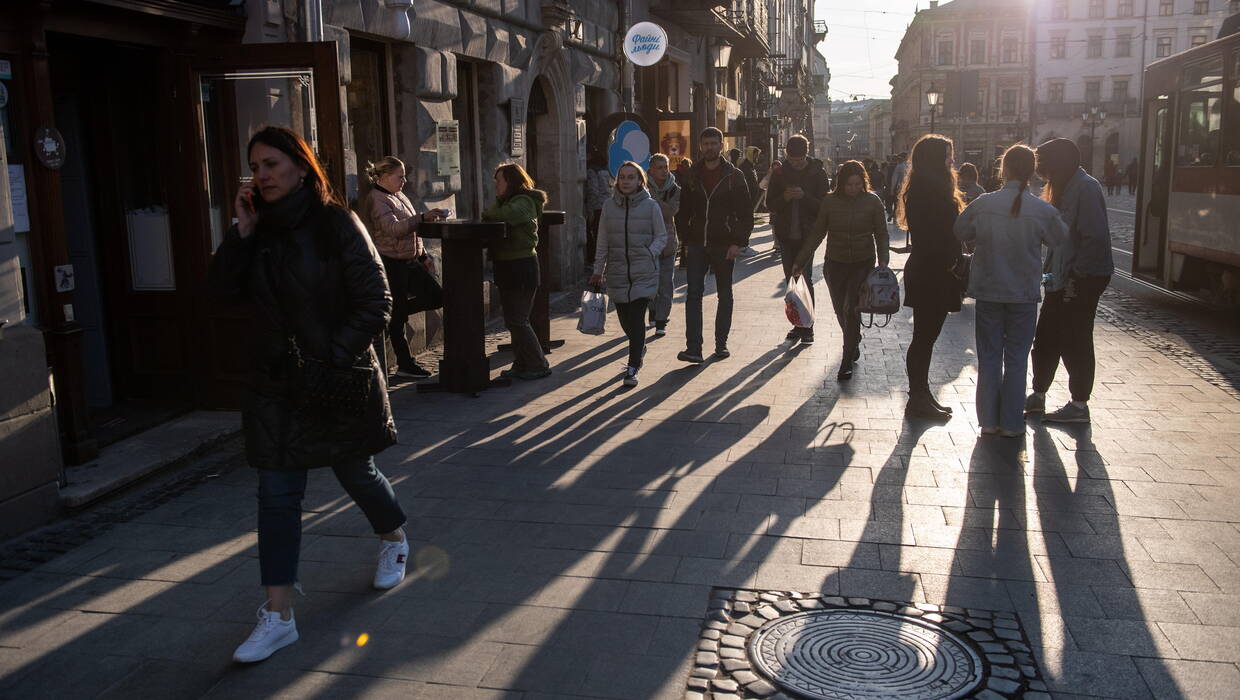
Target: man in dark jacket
(794,194)
(714,222)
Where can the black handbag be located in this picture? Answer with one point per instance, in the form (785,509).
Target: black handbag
(323,392)
(422,291)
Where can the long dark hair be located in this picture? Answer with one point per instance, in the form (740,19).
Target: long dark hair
(1017,166)
(518,180)
(1057,160)
(929,178)
(847,170)
(293,146)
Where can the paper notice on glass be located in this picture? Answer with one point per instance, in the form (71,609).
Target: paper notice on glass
(17,192)
(448,145)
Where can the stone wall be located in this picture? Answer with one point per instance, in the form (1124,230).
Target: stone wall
(29,438)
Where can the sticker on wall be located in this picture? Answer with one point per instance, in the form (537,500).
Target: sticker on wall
(628,142)
(49,147)
(645,43)
(63,274)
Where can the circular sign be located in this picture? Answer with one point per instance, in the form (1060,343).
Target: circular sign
(645,43)
(49,147)
(4,96)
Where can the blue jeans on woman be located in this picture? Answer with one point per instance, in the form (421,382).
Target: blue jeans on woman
(1004,337)
(279,513)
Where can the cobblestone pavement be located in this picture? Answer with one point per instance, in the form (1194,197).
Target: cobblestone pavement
(570,535)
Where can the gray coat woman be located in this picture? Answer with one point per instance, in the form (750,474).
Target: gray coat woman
(631,235)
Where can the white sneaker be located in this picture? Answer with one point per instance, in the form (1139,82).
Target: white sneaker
(269,636)
(630,376)
(391,567)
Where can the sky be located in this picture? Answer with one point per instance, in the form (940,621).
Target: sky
(861,43)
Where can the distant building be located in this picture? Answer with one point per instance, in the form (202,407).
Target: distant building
(820,75)
(879,117)
(850,129)
(975,53)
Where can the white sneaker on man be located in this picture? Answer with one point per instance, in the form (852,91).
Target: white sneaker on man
(270,635)
(390,570)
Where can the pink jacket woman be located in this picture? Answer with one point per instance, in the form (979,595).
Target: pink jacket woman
(393,224)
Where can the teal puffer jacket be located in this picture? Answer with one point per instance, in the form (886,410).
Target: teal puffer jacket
(631,234)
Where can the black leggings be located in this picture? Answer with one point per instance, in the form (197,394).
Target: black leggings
(927,324)
(632,315)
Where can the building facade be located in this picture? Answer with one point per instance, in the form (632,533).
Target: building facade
(793,35)
(975,54)
(850,129)
(879,116)
(820,74)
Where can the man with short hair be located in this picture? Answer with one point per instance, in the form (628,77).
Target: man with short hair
(714,222)
(794,194)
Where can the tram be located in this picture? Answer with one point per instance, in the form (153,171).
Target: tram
(1188,203)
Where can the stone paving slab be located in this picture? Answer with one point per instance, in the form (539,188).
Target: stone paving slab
(568,532)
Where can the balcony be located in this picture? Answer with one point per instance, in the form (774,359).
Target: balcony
(742,23)
(819,30)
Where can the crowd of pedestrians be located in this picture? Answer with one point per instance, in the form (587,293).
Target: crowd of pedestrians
(323,288)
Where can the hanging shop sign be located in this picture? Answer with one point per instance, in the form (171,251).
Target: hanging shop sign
(628,142)
(448,146)
(645,43)
(49,147)
(516,115)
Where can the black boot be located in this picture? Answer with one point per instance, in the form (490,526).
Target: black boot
(920,405)
(846,371)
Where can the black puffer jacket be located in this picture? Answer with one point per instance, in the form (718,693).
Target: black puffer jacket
(312,272)
(719,218)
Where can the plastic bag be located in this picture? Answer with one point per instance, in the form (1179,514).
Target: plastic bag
(798,304)
(593,320)
(880,294)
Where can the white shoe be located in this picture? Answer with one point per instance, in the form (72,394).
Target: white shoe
(391,567)
(271,635)
(630,376)
(660,331)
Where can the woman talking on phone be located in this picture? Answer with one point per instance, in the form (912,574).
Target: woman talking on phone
(315,396)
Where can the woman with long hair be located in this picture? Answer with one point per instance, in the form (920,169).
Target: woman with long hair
(927,208)
(515,263)
(394,227)
(854,222)
(631,236)
(1080,271)
(1008,228)
(319,297)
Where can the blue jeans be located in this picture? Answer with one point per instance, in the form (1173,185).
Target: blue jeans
(1004,337)
(698,258)
(279,513)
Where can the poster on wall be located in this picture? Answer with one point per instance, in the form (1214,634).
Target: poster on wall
(675,140)
(628,142)
(448,146)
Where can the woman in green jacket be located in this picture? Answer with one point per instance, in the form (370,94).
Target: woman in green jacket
(854,221)
(515,261)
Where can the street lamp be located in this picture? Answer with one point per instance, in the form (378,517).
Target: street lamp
(933,97)
(721,54)
(1093,118)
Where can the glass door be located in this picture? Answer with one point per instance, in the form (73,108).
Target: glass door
(1148,253)
(236,90)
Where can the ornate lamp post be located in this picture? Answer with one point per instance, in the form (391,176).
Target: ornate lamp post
(933,97)
(1093,118)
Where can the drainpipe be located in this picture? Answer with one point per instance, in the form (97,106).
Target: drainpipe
(626,67)
(314,20)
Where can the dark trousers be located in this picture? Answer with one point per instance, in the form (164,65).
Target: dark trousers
(927,324)
(699,258)
(632,315)
(398,281)
(279,513)
(1066,331)
(527,352)
(844,282)
(592,219)
(789,260)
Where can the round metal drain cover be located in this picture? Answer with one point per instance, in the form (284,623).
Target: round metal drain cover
(838,654)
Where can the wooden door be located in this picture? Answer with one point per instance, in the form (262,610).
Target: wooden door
(232,92)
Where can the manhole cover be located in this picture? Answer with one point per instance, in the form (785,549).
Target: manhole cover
(838,654)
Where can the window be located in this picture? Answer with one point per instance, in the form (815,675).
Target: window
(1198,40)
(1094,47)
(1123,45)
(1093,92)
(1124,9)
(1201,114)
(1166,8)
(1097,9)
(1054,93)
(945,53)
(977,51)
(1007,102)
(1119,89)
(1201,7)
(1059,10)
(1231,146)
(1009,50)
(1162,47)
(1059,46)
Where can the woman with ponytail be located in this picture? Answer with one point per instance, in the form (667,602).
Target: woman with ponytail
(928,207)
(1008,229)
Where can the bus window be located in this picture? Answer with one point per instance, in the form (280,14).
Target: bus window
(1201,114)
(1231,148)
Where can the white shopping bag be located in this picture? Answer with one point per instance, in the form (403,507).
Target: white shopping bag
(798,304)
(593,319)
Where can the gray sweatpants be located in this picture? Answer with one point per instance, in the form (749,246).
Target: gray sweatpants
(661,309)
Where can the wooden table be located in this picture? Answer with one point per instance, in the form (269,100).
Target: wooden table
(464,368)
